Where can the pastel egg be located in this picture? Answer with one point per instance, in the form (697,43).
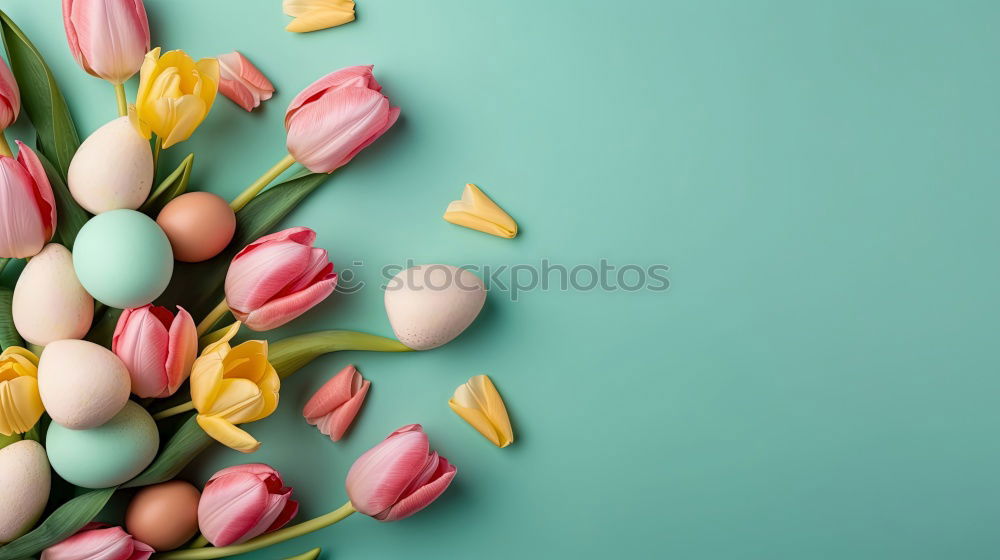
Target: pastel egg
(25,482)
(82,384)
(107,455)
(123,258)
(49,303)
(199,225)
(429,305)
(165,515)
(112,169)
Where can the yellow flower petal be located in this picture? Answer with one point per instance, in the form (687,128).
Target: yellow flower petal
(476,211)
(479,403)
(269,387)
(227,434)
(20,405)
(313,15)
(248,361)
(23,353)
(175,94)
(206,380)
(238,401)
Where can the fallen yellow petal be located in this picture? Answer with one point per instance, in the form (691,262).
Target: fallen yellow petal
(476,211)
(479,403)
(313,15)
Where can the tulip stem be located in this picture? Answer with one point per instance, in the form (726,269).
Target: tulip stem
(263,541)
(174,411)
(213,317)
(200,542)
(122,101)
(264,180)
(290,354)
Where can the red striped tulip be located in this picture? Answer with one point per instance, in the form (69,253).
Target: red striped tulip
(242,82)
(334,406)
(158,348)
(27,206)
(97,541)
(10,96)
(108,38)
(336,117)
(277,278)
(399,476)
(242,502)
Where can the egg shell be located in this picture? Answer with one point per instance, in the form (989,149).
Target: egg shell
(199,225)
(107,455)
(25,483)
(49,303)
(82,384)
(112,169)
(164,516)
(123,258)
(430,305)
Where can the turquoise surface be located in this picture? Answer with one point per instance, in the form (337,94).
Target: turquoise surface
(820,380)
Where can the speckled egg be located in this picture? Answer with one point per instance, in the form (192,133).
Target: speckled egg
(107,455)
(429,305)
(82,384)
(113,168)
(165,515)
(25,483)
(199,225)
(49,302)
(123,258)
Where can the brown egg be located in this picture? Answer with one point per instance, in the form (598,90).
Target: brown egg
(199,225)
(164,516)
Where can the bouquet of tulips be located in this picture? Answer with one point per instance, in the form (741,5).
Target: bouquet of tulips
(130,291)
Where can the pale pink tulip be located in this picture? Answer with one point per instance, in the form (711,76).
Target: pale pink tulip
(98,541)
(108,38)
(399,476)
(277,278)
(10,96)
(158,348)
(27,206)
(242,82)
(334,406)
(242,502)
(336,117)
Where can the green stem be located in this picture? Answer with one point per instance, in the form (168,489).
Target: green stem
(290,354)
(264,180)
(4,146)
(262,541)
(311,555)
(174,410)
(122,101)
(157,146)
(213,317)
(200,542)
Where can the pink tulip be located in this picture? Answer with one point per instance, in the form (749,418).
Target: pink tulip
(399,476)
(10,96)
(98,541)
(27,206)
(157,347)
(108,38)
(242,82)
(243,502)
(334,406)
(277,278)
(336,117)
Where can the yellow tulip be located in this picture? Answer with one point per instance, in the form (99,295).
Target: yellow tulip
(476,211)
(20,403)
(312,15)
(479,404)
(175,94)
(233,385)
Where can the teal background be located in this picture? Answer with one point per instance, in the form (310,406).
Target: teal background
(820,379)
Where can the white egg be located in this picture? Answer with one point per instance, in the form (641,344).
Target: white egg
(431,304)
(25,483)
(82,384)
(49,303)
(112,169)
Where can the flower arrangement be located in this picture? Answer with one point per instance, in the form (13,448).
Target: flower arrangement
(134,291)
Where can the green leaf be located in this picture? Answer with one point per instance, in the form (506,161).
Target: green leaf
(40,97)
(69,216)
(63,522)
(173,186)
(8,334)
(183,447)
(7,440)
(289,354)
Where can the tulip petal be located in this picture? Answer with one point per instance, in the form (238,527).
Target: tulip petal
(108,38)
(227,434)
(23,229)
(257,276)
(424,495)
(238,401)
(206,379)
(352,76)
(479,403)
(379,477)
(269,387)
(333,408)
(313,15)
(10,96)
(231,506)
(112,543)
(247,361)
(178,118)
(279,311)
(476,211)
(181,350)
(274,509)
(43,189)
(242,82)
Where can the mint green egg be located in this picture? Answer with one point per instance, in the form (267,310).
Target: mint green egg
(107,455)
(123,258)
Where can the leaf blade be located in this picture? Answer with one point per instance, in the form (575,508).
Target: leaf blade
(63,522)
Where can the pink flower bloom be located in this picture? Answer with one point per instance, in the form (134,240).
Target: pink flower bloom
(27,206)
(10,96)
(243,502)
(242,82)
(98,541)
(108,38)
(157,347)
(277,278)
(334,406)
(399,476)
(336,117)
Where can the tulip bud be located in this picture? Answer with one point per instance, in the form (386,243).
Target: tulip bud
(10,96)
(27,206)
(399,476)
(336,117)
(277,278)
(175,94)
(98,541)
(242,82)
(157,347)
(20,403)
(242,502)
(478,403)
(334,406)
(108,38)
